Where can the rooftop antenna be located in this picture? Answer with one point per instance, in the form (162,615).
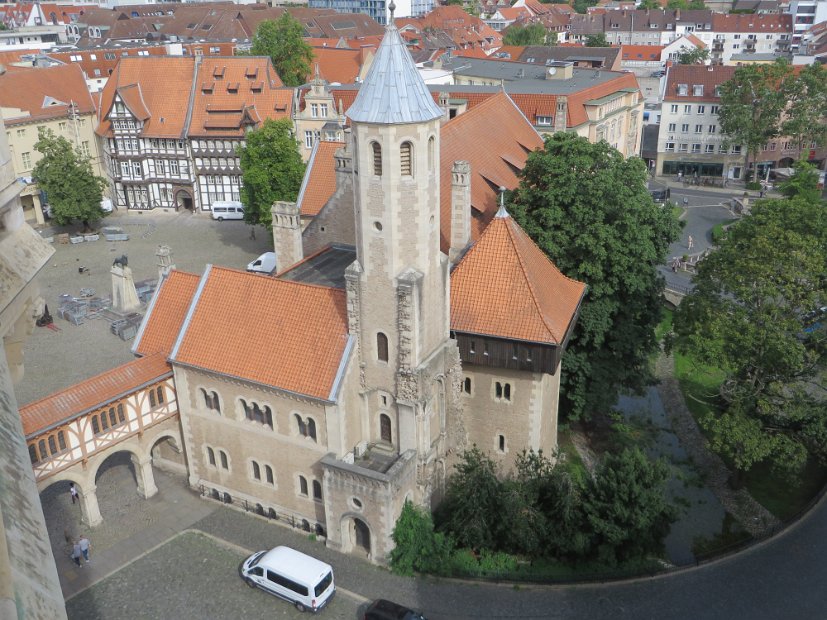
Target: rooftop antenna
(501,212)
(391,8)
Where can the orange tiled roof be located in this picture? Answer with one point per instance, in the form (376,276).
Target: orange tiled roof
(641,52)
(701,75)
(166,314)
(320,178)
(505,286)
(340,64)
(32,90)
(229,90)
(496,151)
(294,340)
(733,22)
(44,414)
(164,82)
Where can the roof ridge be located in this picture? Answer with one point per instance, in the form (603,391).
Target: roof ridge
(258,278)
(529,281)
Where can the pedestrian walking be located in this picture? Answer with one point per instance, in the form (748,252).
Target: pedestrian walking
(76,553)
(73,492)
(84,546)
(690,242)
(252,233)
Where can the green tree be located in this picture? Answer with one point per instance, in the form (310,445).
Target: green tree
(803,183)
(551,510)
(533,34)
(73,190)
(685,4)
(694,56)
(418,548)
(752,103)
(272,169)
(283,41)
(597,40)
(807,107)
(748,316)
(649,4)
(590,211)
(473,505)
(626,506)
(582,6)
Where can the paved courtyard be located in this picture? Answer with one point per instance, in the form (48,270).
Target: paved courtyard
(58,359)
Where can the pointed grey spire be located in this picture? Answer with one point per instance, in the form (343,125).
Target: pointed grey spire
(502,212)
(393,90)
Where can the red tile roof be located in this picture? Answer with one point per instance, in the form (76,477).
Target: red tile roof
(641,52)
(230,90)
(702,75)
(166,314)
(733,22)
(44,414)
(44,92)
(293,337)
(320,178)
(505,286)
(163,83)
(340,64)
(495,138)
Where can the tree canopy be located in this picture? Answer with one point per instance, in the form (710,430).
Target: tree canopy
(73,190)
(694,56)
(752,103)
(754,314)
(685,4)
(272,169)
(590,211)
(533,34)
(597,40)
(807,107)
(803,183)
(283,41)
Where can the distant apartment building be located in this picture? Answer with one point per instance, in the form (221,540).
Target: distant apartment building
(54,98)
(377,9)
(172,126)
(748,34)
(805,14)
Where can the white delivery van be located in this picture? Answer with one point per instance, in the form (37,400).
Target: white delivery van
(227,210)
(265,263)
(304,581)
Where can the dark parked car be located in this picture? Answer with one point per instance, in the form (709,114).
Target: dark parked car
(381,609)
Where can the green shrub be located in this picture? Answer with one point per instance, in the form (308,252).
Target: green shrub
(463,562)
(753,186)
(496,563)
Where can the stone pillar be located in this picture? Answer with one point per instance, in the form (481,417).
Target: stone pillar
(165,262)
(145,477)
(124,296)
(560,117)
(90,511)
(460,209)
(287,234)
(38,209)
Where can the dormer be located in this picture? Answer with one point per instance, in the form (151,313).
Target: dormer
(218,73)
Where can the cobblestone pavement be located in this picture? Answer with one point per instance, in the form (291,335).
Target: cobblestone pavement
(58,359)
(752,516)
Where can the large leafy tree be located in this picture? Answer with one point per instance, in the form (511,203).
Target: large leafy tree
(272,169)
(693,56)
(626,506)
(597,40)
(418,548)
(283,41)
(803,183)
(73,190)
(473,506)
(751,316)
(752,103)
(589,209)
(807,107)
(533,34)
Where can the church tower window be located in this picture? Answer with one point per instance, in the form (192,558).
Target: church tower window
(431,143)
(377,158)
(382,347)
(406,159)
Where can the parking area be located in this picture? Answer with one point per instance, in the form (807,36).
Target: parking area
(58,358)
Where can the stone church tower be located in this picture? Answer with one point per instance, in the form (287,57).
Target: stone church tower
(398,286)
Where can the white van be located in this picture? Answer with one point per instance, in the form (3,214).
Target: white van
(265,263)
(304,581)
(227,210)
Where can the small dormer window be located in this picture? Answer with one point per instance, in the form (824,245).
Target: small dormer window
(683,90)
(697,90)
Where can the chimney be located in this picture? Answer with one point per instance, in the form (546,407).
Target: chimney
(560,70)
(561,114)
(287,234)
(165,264)
(460,209)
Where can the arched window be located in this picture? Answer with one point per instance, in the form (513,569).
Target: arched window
(152,402)
(302,426)
(431,147)
(113,421)
(311,428)
(216,404)
(256,471)
(33,453)
(96,429)
(160,392)
(211,456)
(382,347)
(377,158)
(302,485)
(385,428)
(317,490)
(121,416)
(406,159)
(268,417)
(224,462)
(268,473)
